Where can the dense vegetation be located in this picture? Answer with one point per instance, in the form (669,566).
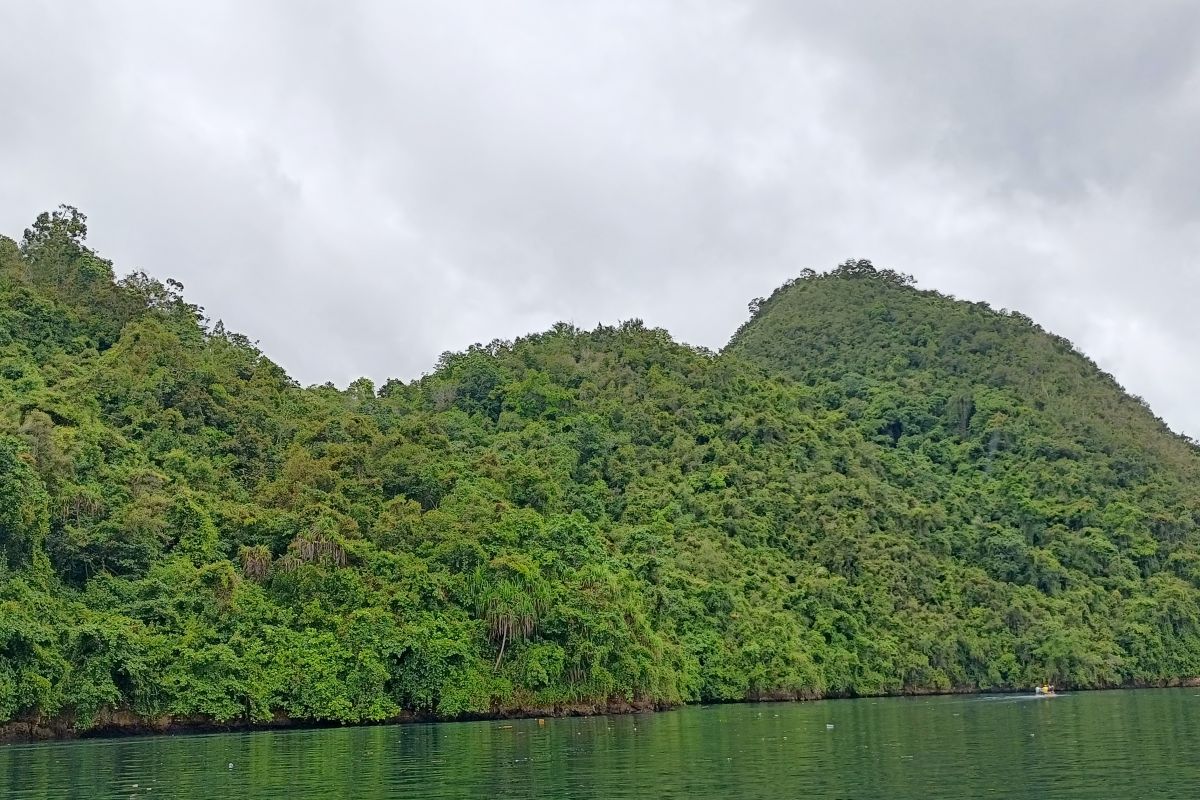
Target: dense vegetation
(873,490)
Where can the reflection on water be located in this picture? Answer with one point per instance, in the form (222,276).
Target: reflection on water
(1104,744)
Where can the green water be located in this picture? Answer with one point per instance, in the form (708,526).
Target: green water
(1143,744)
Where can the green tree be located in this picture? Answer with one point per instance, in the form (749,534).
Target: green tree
(510,596)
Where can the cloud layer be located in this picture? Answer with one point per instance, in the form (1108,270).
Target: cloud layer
(362,186)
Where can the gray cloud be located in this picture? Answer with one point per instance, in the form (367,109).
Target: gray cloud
(363,186)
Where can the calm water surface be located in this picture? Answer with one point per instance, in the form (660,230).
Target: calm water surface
(1143,744)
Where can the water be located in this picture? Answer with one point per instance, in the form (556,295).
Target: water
(1094,745)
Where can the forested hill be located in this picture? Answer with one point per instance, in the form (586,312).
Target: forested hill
(870,337)
(873,490)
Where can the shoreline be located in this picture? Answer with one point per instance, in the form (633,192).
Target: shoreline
(123,723)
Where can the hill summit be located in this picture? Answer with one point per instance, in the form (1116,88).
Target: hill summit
(872,490)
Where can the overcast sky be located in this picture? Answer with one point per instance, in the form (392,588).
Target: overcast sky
(361,186)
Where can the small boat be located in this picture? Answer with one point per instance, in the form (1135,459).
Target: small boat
(1045,690)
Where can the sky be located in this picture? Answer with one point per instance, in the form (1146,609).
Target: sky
(361,186)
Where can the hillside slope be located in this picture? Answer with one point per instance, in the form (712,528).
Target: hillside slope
(969,397)
(574,519)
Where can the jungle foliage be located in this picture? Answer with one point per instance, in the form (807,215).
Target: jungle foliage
(874,489)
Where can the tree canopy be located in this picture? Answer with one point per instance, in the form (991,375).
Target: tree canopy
(873,489)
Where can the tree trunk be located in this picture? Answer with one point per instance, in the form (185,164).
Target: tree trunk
(503,641)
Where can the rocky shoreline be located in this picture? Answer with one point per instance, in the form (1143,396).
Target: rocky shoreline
(111,724)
